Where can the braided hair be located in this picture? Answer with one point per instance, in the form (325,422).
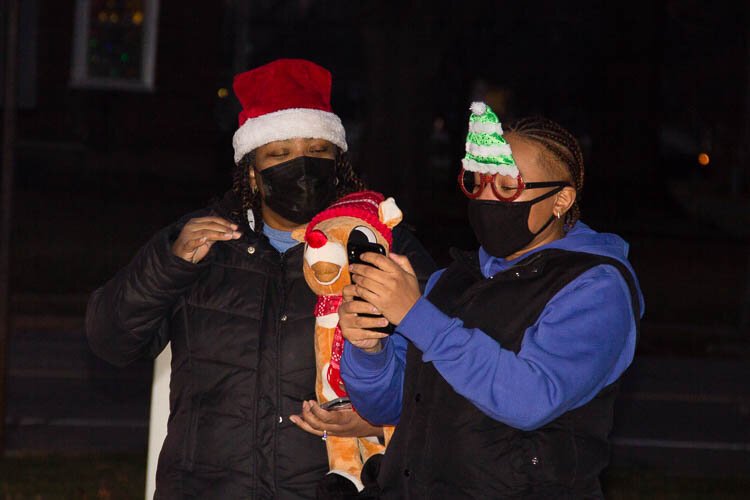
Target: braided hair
(561,153)
(250,200)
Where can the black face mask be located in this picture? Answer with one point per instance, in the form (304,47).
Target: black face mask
(502,227)
(300,188)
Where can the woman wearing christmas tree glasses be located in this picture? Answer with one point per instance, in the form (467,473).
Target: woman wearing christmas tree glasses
(502,377)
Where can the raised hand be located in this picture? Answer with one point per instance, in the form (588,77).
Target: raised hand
(198,236)
(355,328)
(391,285)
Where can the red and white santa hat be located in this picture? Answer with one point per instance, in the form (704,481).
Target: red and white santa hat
(370,206)
(285,99)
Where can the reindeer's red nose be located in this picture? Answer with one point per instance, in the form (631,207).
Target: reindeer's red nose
(316,239)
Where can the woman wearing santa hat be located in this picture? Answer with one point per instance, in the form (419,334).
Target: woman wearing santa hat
(225,286)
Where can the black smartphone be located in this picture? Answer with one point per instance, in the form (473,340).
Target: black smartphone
(354,251)
(337,404)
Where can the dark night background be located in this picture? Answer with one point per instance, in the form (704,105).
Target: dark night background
(646,86)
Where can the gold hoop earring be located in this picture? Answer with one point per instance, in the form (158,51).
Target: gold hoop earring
(558,214)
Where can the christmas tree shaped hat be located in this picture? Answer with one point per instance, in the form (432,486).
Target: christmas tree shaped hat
(487,151)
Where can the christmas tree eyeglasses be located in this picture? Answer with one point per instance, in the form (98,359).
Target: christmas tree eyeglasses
(504,187)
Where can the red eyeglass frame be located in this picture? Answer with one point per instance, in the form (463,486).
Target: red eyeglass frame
(485,179)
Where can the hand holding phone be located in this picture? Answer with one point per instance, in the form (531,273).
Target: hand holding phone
(354,251)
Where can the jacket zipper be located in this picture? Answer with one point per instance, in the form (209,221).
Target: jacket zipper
(279,325)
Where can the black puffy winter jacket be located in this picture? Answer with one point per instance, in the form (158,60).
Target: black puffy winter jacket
(241,326)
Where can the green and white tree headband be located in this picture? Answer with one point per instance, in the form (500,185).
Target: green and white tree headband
(487,151)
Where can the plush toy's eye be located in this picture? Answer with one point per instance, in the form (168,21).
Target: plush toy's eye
(362,234)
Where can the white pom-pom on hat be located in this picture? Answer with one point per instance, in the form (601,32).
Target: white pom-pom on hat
(478,108)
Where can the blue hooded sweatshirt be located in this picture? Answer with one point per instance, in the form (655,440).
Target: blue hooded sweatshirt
(583,340)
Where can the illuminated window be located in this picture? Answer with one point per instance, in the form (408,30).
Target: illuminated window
(115,44)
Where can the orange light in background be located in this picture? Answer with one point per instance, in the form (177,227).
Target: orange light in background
(222,93)
(138,18)
(704,159)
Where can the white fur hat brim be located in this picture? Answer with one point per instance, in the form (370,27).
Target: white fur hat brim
(288,124)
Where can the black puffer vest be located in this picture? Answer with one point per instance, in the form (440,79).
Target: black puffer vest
(446,448)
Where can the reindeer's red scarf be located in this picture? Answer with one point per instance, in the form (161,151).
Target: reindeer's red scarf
(329,304)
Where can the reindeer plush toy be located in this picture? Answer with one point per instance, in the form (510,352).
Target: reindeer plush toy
(364,216)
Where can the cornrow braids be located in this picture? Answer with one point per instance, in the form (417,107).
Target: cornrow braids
(349,182)
(564,150)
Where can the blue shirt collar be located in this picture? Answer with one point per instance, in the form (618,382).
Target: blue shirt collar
(279,239)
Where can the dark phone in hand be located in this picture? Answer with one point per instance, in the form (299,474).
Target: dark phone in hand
(354,251)
(337,404)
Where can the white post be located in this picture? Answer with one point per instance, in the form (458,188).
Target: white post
(157,428)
